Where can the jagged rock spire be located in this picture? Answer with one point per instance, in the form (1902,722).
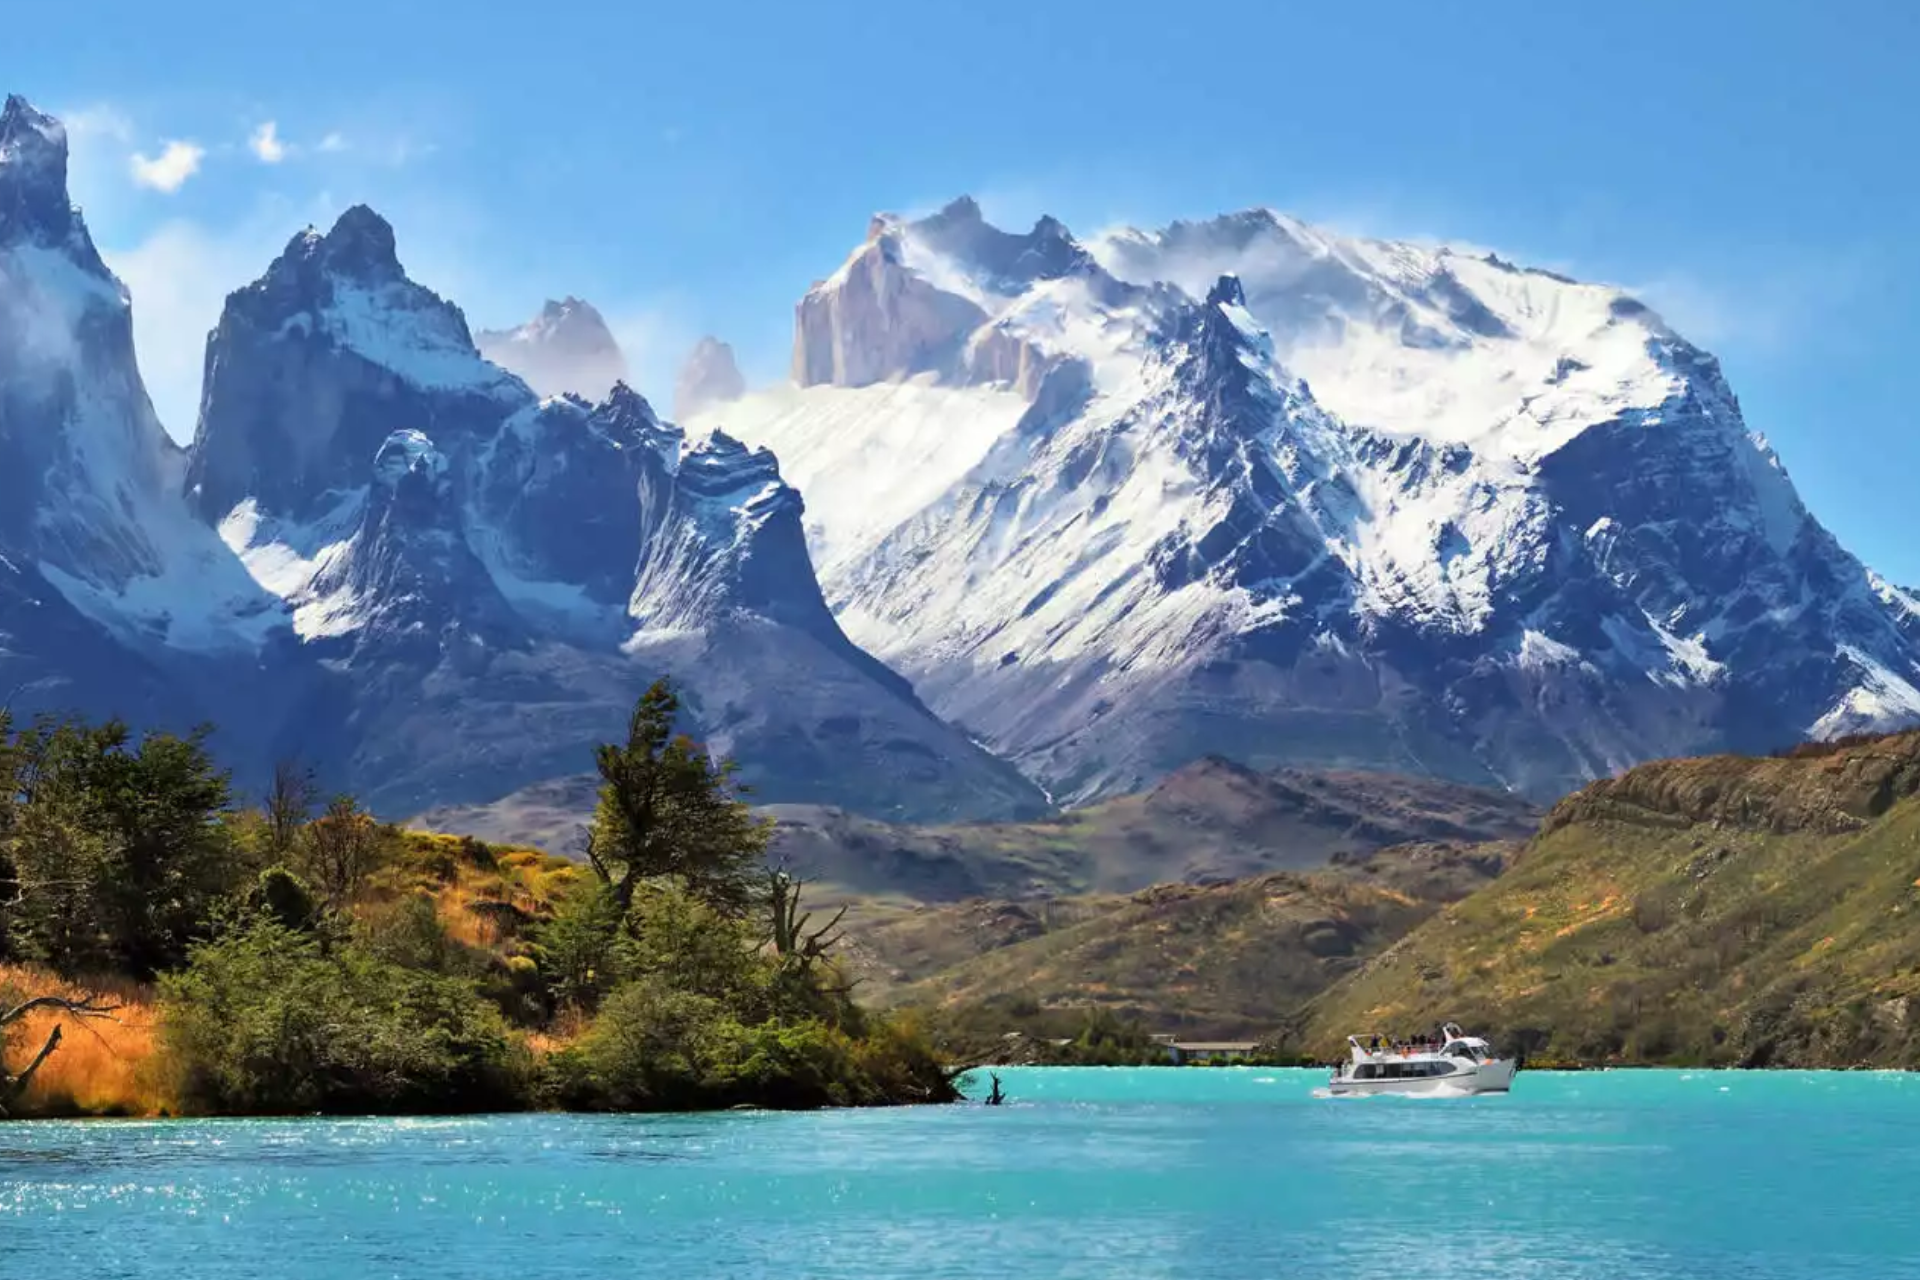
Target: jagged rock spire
(33,178)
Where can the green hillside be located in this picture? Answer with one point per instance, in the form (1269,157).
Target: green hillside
(1225,959)
(1719,911)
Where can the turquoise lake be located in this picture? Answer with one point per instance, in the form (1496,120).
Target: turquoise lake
(1125,1173)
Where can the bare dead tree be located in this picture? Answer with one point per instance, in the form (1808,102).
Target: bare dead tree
(12,1085)
(289,804)
(791,940)
(343,845)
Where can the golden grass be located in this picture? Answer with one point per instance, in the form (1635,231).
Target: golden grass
(107,1066)
(104,1066)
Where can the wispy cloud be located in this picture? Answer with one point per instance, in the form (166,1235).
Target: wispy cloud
(98,121)
(169,170)
(333,142)
(266,144)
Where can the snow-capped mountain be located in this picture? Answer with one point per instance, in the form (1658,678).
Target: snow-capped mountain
(708,377)
(1248,487)
(89,482)
(490,578)
(567,348)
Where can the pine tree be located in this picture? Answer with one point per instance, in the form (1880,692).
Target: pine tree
(668,812)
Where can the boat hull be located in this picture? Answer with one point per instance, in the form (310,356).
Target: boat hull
(1486,1077)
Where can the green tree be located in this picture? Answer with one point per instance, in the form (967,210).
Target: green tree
(162,807)
(9,813)
(667,811)
(118,851)
(578,949)
(284,897)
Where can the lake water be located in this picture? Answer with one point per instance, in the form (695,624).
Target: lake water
(1129,1173)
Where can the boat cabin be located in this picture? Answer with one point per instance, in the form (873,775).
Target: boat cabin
(1377,1057)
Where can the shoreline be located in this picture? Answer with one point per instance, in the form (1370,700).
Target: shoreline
(8,1122)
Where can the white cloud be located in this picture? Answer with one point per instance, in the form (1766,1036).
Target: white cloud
(654,337)
(266,144)
(169,170)
(98,121)
(333,142)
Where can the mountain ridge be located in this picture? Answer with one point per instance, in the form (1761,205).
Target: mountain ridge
(1212,820)
(1075,514)
(390,557)
(1247,485)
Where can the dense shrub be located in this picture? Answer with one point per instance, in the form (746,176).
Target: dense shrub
(263,1021)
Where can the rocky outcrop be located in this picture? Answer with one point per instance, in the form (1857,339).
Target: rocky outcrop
(1825,788)
(873,321)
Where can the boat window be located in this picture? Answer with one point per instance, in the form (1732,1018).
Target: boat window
(1366,1071)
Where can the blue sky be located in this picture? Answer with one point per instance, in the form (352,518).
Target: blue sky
(1748,168)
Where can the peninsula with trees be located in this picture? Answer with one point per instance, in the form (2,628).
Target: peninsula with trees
(165,949)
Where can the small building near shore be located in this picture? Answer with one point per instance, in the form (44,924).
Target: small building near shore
(1181,1052)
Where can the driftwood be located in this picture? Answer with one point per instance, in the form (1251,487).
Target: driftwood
(87,1006)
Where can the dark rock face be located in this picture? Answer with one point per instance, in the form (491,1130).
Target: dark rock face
(33,183)
(565,350)
(317,363)
(112,599)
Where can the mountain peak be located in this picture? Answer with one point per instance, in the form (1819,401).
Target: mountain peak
(960,209)
(33,173)
(1226,292)
(25,131)
(361,244)
(566,348)
(710,376)
(1004,260)
(360,247)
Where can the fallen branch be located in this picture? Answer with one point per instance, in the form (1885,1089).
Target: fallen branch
(87,1006)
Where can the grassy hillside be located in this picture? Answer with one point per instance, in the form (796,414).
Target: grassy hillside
(1224,959)
(1721,910)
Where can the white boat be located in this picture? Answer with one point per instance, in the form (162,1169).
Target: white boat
(1452,1062)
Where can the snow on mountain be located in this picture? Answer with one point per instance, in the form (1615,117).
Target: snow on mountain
(492,577)
(709,376)
(833,442)
(1249,486)
(566,349)
(89,482)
